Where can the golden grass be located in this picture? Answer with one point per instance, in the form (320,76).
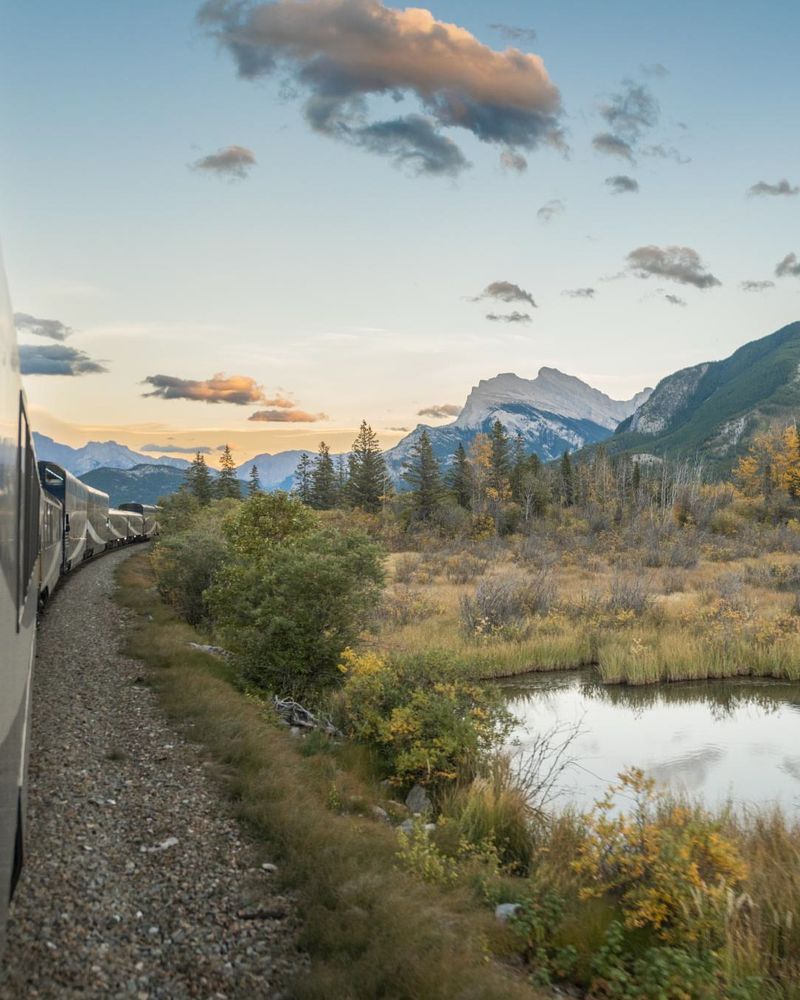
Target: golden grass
(370,930)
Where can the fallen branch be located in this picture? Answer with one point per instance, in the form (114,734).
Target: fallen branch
(293,714)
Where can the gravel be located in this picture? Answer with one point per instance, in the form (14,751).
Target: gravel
(138,883)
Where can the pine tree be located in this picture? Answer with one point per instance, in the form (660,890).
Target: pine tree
(459,478)
(198,480)
(368,478)
(302,479)
(519,466)
(567,481)
(423,475)
(227,484)
(500,460)
(253,482)
(324,486)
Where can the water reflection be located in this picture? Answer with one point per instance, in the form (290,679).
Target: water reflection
(720,740)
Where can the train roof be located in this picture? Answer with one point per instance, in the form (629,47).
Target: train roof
(53,468)
(140,508)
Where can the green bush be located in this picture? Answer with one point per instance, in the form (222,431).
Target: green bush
(287,608)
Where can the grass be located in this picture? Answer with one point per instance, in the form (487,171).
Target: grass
(370,929)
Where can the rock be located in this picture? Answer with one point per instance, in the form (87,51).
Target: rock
(407,826)
(429,827)
(269,868)
(418,800)
(380,813)
(505,911)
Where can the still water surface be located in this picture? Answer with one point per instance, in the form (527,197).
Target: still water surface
(733,740)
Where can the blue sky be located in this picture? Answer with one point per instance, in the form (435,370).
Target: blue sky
(335,280)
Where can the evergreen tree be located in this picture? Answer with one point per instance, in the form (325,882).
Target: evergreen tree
(519,466)
(459,478)
(302,479)
(423,475)
(324,487)
(227,484)
(198,480)
(368,478)
(253,482)
(500,460)
(341,478)
(567,481)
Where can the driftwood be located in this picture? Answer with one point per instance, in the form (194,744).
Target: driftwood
(293,714)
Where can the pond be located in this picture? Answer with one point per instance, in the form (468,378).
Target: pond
(736,740)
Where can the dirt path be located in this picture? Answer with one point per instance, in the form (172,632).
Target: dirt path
(137,883)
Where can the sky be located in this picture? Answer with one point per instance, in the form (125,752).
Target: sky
(260,223)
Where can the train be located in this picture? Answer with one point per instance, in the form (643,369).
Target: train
(50,524)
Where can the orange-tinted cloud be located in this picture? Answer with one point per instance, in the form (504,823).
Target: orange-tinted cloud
(241,390)
(287,416)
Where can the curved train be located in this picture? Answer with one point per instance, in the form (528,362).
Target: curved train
(50,524)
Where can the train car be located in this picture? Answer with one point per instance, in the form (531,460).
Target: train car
(20,499)
(51,547)
(85,511)
(149,512)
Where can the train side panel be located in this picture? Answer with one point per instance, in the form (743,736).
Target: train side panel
(51,551)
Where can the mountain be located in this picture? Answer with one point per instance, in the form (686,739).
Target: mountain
(275,471)
(553,412)
(712,410)
(96,454)
(139,484)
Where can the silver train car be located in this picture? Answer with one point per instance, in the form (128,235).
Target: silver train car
(20,511)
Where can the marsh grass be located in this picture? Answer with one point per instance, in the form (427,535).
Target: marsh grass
(370,929)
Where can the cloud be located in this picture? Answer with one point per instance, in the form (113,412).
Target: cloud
(403,429)
(287,416)
(513,161)
(756,286)
(666,153)
(52,328)
(550,210)
(513,317)
(579,293)
(622,184)
(232,162)
(674,300)
(241,390)
(339,53)
(439,410)
(655,69)
(782,187)
(506,291)
(282,402)
(514,33)
(790,265)
(680,264)
(178,449)
(605,142)
(629,114)
(56,359)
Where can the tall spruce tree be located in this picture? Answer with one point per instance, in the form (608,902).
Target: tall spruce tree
(519,466)
(368,478)
(567,481)
(459,478)
(341,478)
(227,484)
(253,481)
(324,485)
(500,461)
(198,480)
(302,479)
(423,475)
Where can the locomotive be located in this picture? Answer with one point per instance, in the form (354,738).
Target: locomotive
(50,523)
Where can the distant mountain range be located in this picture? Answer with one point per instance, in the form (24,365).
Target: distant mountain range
(95,455)
(139,484)
(713,410)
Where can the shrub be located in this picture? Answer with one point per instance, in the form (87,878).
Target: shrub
(503,604)
(425,724)
(406,567)
(628,594)
(288,613)
(405,605)
(186,563)
(463,567)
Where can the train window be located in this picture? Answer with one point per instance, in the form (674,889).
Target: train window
(28,500)
(52,478)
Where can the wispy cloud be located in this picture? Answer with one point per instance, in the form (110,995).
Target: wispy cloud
(178,449)
(655,69)
(579,293)
(338,53)
(514,33)
(622,184)
(287,417)
(232,162)
(56,359)
(756,286)
(550,210)
(680,264)
(629,115)
(674,300)
(438,411)
(780,188)
(241,390)
(788,267)
(612,145)
(54,329)
(506,291)
(513,161)
(512,317)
